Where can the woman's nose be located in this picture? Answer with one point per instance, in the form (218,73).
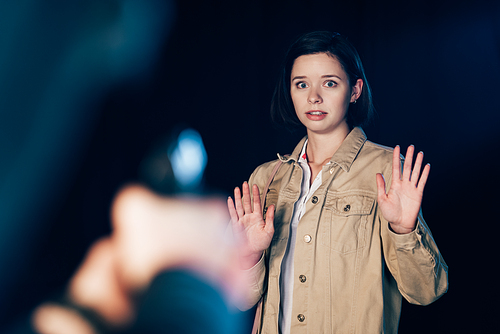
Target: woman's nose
(314,97)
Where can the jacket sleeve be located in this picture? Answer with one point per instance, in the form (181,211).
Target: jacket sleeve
(255,284)
(416,263)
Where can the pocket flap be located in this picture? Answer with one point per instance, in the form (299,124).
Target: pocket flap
(349,204)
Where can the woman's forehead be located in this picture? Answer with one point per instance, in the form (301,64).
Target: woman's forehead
(317,63)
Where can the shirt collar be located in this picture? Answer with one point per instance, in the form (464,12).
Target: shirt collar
(303,153)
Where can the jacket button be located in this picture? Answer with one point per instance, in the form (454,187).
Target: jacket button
(301,317)
(332,170)
(307,238)
(314,200)
(302,278)
(347,208)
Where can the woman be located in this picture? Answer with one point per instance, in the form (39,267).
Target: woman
(335,251)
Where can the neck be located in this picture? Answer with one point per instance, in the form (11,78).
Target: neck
(322,146)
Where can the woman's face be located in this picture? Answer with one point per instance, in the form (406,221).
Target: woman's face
(321,93)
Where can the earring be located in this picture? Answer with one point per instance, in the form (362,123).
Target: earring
(354,101)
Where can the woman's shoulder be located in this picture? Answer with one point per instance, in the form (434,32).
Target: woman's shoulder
(376,154)
(372,147)
(266,168)
(378,147)
(262,173)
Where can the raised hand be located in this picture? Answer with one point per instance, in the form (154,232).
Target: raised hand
(400,206)
(249,225)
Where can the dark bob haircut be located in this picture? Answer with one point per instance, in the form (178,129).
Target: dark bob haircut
(338,47)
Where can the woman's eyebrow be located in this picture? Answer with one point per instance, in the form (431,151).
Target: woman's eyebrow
(298,77)
(331,76)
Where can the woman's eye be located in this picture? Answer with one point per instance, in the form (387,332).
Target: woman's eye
(330,83)
(301,85)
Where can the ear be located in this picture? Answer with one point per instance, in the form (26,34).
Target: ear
(356,90)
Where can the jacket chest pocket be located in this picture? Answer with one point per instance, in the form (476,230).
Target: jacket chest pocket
(345,220)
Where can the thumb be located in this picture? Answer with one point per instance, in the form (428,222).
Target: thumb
(270,219)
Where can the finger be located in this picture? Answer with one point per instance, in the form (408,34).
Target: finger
(396,164)
(237,200)
(232,210)
(247,206)
(381,186)
(270,220)
(423,178)
(408,162)
(256,199)
(416,168)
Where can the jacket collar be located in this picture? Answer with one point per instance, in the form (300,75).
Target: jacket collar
(345,155)
(348,151)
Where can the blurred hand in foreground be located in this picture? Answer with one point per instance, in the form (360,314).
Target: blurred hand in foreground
(151,234)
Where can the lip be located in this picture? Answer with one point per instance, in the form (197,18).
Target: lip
(316,115)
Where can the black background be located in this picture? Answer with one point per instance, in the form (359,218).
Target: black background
(433,68)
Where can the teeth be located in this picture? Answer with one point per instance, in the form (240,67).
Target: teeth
(316,113)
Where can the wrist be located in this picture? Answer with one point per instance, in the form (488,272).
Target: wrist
(250,260)
(398,229)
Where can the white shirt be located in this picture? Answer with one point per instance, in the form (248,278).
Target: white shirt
(287,275)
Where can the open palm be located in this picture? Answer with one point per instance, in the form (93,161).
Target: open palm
(400,206)
(248,224)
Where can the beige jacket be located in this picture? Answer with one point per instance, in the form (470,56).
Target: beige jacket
(350,269)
